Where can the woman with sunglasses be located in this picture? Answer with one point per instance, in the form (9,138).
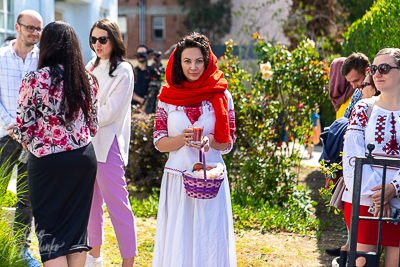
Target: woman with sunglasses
(368,88)
(382,128)
(111,144)
(56,119)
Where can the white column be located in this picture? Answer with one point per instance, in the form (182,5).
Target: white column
(47,11)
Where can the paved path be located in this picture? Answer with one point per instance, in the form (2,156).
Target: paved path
(314,161)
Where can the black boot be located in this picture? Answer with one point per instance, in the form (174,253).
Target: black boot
(333,252)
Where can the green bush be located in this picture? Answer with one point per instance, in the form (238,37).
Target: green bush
(295,216)
(146,164)
(376,30)
(281,105)
(8,200)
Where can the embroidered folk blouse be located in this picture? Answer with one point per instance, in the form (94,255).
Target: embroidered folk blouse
(39,117)
(171,120)
(382,129)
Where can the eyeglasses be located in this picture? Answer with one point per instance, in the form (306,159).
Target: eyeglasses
(31,29)
(383,68)
(364,84)
(102,39)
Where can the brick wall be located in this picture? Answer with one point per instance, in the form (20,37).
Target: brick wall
(173,23)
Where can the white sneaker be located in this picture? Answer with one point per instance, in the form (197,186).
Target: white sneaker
(93,262)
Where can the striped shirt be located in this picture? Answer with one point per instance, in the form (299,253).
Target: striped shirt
(12,70)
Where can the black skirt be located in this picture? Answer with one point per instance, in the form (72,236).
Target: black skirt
(61,189)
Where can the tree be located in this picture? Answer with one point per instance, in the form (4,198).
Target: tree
(376,30)
(355,9)
(317,20)
(212,19)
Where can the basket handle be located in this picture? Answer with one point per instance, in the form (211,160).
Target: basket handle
(202,158)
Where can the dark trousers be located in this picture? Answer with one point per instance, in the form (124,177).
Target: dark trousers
(11,150)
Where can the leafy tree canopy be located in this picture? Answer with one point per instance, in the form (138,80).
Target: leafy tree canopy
(376,30)
(212,19)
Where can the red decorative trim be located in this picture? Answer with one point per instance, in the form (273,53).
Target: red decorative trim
(175,170)
(380,134)
(193,112)
(392,147)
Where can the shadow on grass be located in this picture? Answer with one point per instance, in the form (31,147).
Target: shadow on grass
(333,233)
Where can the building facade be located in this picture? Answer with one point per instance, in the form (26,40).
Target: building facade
(80,14)
(156,23)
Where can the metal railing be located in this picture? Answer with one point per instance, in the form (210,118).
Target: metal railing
(372,258)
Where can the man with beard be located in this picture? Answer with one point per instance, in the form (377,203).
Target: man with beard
(143,77)
(16,60)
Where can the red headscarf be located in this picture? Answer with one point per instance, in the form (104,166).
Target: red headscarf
(210,86)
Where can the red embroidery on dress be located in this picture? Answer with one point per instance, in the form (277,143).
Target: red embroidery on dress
(362,117)
(351,129)
(352,120)
(193,112)
(380,122)
(175,170)
(392,147)
(161,119)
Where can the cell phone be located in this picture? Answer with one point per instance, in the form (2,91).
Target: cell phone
(394,213)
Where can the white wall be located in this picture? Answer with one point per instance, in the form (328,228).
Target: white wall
(83,14)
(267,26)
(44,7)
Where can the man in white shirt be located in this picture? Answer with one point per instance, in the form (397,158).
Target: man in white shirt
(16,60)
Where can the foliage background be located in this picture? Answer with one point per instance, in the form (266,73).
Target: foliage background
(377,29)
(212,18)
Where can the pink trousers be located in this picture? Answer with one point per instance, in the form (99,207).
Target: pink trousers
(110,186)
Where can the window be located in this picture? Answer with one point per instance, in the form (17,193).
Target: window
(122,24)
(103,13)
(7,19)
(158,28)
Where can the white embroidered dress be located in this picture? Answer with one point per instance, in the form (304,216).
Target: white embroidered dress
(192,232)
(382,129)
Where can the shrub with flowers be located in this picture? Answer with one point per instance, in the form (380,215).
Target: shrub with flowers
(276,110)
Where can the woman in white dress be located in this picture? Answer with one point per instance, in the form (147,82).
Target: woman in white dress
(381,129)
(193,232)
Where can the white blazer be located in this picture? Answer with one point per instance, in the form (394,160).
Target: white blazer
(115,94)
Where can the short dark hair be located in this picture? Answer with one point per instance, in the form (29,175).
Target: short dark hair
(142,45)
(19,18)
(192,40)
(356,61)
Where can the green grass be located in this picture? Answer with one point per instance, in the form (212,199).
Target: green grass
(10,251)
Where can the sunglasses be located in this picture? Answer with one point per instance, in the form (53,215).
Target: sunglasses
(365,84)
(102,39)
(31,29)
(383,68)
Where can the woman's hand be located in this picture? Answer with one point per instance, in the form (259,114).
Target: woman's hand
(205,142)
(11,132)
(386,211)
(390,192)
(187,136)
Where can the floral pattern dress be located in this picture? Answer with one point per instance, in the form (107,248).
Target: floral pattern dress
(41,116)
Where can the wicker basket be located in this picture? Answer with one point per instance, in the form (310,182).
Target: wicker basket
(202,188)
